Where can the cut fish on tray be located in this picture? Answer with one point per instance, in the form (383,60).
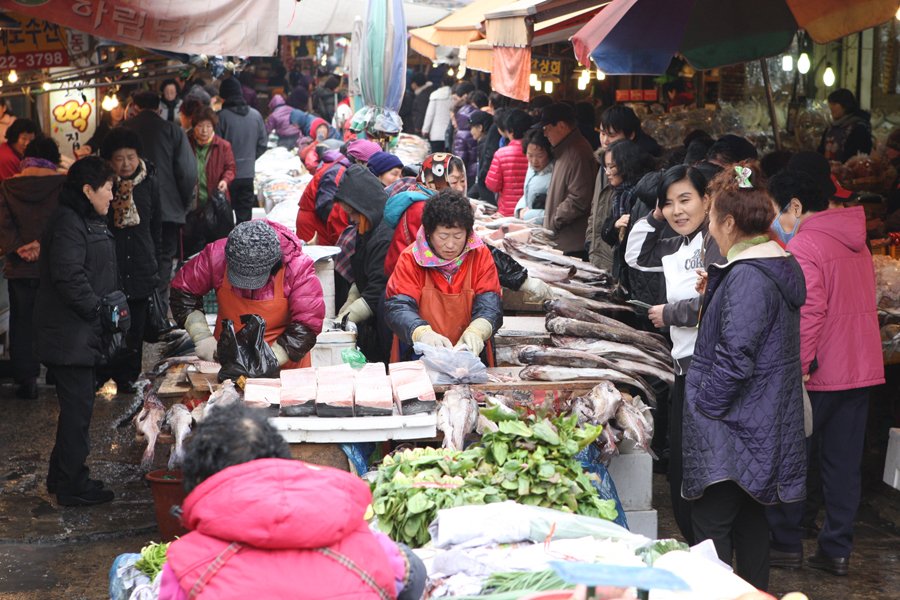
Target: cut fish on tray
(373,395)
(334,395)
(298,392)
(412,387)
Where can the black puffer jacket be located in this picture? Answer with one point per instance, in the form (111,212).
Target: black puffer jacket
(77,268)
(365,194)
(137,248)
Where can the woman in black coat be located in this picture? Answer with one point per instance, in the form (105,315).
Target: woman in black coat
(77,269)
(135,222)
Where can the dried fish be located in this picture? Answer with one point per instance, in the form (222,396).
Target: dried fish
(564,326)
(634,417)
(565,357)
(611,350)
(541,255)
(576,310)
(554,373)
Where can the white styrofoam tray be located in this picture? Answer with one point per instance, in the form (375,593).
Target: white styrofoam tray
(326,430)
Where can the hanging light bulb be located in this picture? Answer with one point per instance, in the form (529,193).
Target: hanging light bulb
(828,77)
(533,79)
(109,102)
(461,73)
(451,72)
(600,75)
(582,84)
(13,76)
(898,14)
(46,86)
(537,84)
(787,63)
(548,87)
(803,63)
(434,65)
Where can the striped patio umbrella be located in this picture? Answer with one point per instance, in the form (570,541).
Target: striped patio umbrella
(640,37)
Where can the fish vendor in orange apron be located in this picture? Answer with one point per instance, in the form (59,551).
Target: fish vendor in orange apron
(444,290)
(260,269)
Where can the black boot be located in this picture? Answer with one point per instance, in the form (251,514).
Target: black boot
(27,390)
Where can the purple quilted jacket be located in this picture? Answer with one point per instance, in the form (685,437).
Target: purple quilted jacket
(464,145)
(279,118)
(743,411)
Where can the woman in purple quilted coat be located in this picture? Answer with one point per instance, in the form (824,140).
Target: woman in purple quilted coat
(744,445)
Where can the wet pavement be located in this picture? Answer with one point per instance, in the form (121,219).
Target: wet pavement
(52,552)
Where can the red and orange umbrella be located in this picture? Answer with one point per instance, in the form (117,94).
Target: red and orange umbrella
(640,37)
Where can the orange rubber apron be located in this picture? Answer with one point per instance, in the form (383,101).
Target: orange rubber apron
(448,314)
(276,312)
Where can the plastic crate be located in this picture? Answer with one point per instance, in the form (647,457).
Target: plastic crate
(211,303)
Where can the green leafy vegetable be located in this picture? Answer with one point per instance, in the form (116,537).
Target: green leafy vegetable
(153,557)
(530,460)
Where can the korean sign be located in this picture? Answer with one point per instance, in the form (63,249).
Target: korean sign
(223,27)
(35,44)
(72,118)
(546,66)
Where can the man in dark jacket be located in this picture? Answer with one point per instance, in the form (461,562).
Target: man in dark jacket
(422,89)
(27,201)
(243,127)
(850,132)
(324,98)
(166,146)
(362,197)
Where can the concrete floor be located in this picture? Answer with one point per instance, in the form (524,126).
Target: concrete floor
(49,552)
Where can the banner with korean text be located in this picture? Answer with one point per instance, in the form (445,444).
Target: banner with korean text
(213,27)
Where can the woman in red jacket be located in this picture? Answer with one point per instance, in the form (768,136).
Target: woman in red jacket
(444,291)
(506,176)
(263,525)
(216,170)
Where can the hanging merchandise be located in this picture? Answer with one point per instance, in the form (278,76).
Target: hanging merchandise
(382,75)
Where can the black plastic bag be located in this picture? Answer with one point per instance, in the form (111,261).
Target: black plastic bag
(245,352)
(113,348)
(158,323)
(218,218)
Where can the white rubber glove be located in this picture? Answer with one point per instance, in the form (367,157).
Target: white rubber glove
(206,348)
(280,353)
(426,335)
(536,290)
(476,334)
(352,296)
(357,312)
(202,336)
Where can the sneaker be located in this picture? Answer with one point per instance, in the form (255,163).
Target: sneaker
(87,497)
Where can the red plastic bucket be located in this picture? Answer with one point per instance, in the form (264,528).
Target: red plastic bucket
(168,491)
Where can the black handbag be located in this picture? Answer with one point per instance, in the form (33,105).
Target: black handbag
(158,323)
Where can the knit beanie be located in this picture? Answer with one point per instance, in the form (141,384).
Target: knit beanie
(229,88)
(382,162)
(362,150)
(251,251)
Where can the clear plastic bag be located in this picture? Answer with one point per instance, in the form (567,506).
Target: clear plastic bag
(447,366)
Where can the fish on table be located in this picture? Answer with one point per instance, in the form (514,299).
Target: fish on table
(557,373)
(457,416)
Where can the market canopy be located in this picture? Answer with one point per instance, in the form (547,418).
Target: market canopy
(457,29)
(640,37)
(320,17)
(513,29)
(211,27)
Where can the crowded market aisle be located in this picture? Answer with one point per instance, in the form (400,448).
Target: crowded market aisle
(49,552)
